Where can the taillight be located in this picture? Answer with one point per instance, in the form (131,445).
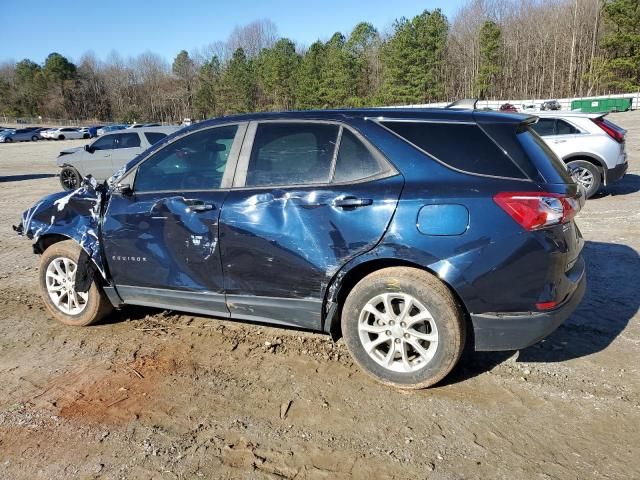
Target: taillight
(534,210)
(617,135)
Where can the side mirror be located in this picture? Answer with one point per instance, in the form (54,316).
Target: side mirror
(89,148)
(124,189)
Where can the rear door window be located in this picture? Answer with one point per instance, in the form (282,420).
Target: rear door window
(544,127)
(154,137)
(126,140)
(355,161)
(564,128)
(461,146)
(289,153)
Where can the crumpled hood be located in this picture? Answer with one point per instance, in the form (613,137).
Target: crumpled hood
(75,215)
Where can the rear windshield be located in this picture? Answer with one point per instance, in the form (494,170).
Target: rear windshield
(459,145)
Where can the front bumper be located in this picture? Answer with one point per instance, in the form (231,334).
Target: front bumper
(616,173)
(494,332)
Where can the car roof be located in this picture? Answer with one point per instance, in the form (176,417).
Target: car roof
(386,113)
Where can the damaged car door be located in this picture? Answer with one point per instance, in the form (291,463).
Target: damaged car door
(160,230)
(308,196)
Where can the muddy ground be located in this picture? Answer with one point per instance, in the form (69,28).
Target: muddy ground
(153,394)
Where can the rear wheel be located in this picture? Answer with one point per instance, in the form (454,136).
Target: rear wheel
(85,136)
(403,327)
(587,175)
(60,137)
(70,178)
(34,138)
(58,268)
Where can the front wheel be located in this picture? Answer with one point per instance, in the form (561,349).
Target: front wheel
(34,138)
(70,178)
(61,137)
(403,327)
(586,174)
(58,268)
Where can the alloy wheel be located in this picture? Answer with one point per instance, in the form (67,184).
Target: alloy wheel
(582,176)
(69,179)
(60,281)
(398,332)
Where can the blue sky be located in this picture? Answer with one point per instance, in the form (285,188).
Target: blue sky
(35,28)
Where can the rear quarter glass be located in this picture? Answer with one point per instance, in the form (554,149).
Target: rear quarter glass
(462,146)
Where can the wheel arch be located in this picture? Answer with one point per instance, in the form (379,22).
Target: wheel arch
(344,281)
(47,240)
(591,158)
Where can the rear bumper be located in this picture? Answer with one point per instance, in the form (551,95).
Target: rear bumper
(515,331)
(616,173)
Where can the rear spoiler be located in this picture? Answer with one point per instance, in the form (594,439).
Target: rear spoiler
(463,104)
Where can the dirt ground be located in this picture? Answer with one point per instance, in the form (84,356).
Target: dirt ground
(153,394)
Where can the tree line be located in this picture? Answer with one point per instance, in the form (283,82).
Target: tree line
(490,49)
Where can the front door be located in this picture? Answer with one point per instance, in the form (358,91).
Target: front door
(161,241)
(309,196)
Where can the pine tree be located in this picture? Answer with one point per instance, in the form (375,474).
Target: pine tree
(238,92)
(206,99)
(413,59)
(337,77)
(490,59)
(277,68)
(622,44)
(308,95)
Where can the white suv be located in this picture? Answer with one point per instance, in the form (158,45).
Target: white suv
(592,147)
(106,154)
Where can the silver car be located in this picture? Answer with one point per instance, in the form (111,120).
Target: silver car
(592,147)
(106,154)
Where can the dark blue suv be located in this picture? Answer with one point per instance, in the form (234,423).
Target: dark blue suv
(409,232)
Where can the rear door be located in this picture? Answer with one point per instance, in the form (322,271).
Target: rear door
(125,147)
(98,161)
(307,197)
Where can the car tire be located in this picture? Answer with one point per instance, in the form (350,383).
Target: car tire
(34,138)
(8,140)
(427,341)
(60,137)
(58,265)
(70,178)
(86,135)
(586,174)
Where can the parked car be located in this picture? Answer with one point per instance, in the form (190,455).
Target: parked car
(105,155)
(93,130)
(141,125)
(529,107)
(550,105)
(21,135)
(379,225)
(509,108)
(64,133)
(592,147)
(110,128)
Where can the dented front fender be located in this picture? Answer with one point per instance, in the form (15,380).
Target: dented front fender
(75,215)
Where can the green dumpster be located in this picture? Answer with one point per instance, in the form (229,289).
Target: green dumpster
(601,105)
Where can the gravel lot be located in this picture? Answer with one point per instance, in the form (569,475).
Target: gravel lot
(153,394)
